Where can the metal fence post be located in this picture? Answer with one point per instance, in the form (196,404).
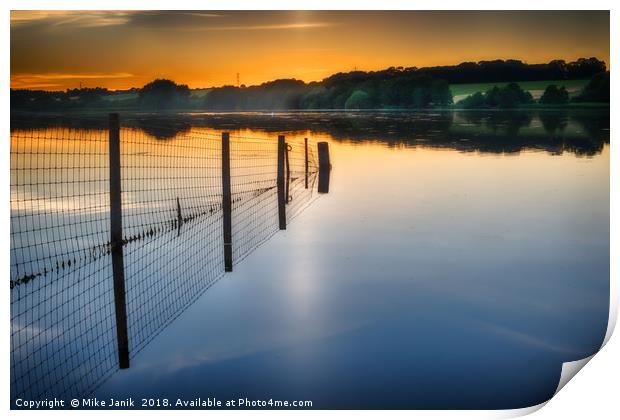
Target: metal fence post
(280,183)
(227,203)
(324,166)
(116,241)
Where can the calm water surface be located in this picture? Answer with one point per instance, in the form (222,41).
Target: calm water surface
(448,267)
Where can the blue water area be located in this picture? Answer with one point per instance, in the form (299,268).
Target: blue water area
(431,276)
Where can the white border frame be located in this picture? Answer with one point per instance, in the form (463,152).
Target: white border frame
(593,394)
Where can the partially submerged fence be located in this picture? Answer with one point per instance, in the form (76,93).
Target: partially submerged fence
(114,233)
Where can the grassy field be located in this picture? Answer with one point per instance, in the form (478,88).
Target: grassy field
(535,88)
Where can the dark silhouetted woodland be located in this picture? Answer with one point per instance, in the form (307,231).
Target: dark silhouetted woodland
(392,88)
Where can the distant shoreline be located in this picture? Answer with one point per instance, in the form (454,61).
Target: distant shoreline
(172,111)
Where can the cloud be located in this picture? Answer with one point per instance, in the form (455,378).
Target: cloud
(103,18)
(80,19)
(50,80)
(74,75)
(26,85)
(185,21)
(284,26)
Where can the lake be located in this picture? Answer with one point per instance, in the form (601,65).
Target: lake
(457,261)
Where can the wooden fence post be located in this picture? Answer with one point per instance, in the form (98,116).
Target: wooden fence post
(306,161)
(324,167)
(116,241)
(288,174)
(280,183)
(227,203)
(179,217)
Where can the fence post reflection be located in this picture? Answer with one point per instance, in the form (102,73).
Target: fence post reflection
(116,241)
(324,167)
(280,183)
(306,163)
(227,203)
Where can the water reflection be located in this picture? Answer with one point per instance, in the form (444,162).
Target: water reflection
(583,132)
(427,278)
(63,344)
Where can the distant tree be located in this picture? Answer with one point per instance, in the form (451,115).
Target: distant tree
(421,97)
(512,96)
(554,95)
(507,97)
(585,68)
(557,70)
(277,94)
(597,89)
(404,90)
(39,100)
(491,97)
(163,94)
(441,93)
(31,99)
(358,100)
(315,98)
(224,98)
(515,70)
(477,100)
(87,96)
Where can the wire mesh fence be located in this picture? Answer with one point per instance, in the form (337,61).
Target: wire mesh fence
(63,323)
(253,174)
(172,224)
(301,176)
(62,316)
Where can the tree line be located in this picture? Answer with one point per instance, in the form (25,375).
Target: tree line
(392,88)
(496,71)
(356,91)
(513,96)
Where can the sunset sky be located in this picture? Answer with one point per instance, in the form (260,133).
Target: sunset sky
(56,50)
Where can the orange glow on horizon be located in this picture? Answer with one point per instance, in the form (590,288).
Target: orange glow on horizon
(56,50)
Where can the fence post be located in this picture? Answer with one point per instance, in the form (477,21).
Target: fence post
(116,241)
(179,217)
(288,174)
(324,166)
(306,161)
(280,183)
(227,203)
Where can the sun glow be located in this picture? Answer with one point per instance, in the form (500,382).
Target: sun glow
(56,50)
